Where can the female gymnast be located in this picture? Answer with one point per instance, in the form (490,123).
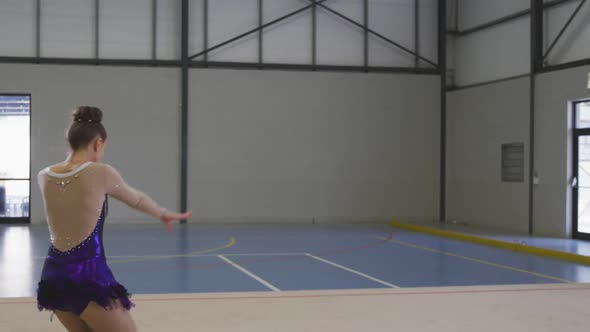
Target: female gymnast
(76,282)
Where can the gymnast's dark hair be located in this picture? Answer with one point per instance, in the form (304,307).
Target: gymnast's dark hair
(85,127)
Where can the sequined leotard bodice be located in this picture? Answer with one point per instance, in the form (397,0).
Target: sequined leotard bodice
(76,204)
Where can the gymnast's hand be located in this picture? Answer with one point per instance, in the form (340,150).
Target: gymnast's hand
(168,217)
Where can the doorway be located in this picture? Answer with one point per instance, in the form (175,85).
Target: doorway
(581,171)
(15,174)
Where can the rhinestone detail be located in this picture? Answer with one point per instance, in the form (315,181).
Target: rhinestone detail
(89,239)
(62,183)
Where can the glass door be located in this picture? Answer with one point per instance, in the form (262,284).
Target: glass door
(581,179)
(15,175)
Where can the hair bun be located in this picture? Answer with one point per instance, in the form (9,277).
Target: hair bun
(88,114)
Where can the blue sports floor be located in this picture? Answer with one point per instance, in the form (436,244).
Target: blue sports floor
(240,258)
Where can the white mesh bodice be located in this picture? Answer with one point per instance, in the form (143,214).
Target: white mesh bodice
(73,201)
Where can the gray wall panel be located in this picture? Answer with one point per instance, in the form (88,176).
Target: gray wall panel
(291,146)
(141,116)
(480,120)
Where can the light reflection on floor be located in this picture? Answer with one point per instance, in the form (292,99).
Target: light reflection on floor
(16,268)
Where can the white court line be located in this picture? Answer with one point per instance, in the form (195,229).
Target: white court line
(250,274)
(352,271)
(202,255)
(254,254)
(268,254)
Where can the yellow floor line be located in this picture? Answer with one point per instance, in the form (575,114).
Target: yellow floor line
(549,253)
(481,261)
(231,243)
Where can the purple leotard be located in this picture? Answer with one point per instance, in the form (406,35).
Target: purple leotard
(71,279)
(75,271)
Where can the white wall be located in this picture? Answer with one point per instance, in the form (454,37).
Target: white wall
(288,41)
(125,29)
(291,146)
(553,152)
(498,52)
(196,27)
(17,28)
(227,19)
(503,51)
(339,40)
(573,45)
(428,31)
(141,116)
(68,30)
(480,120)
(476,12)
(168,30)
(495,53)
(395,20)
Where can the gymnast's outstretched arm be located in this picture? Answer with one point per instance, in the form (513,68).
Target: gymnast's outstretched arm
(116,186)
